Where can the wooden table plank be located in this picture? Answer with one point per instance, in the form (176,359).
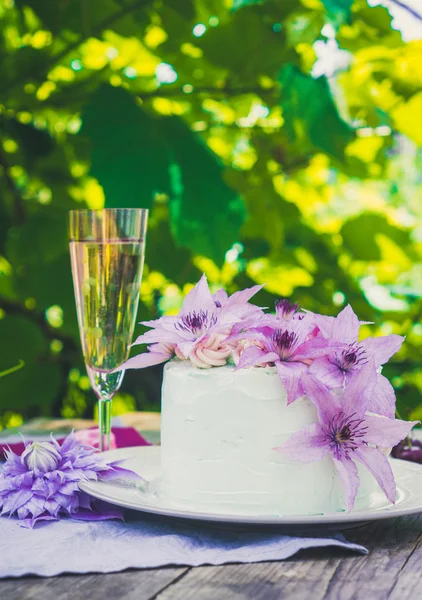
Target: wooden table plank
(391,571)
(129,585)
(330,574)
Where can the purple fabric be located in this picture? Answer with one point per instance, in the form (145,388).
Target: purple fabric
(125,437)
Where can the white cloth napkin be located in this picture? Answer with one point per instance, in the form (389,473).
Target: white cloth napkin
(142,541)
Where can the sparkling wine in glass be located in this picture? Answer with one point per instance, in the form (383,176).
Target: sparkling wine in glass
(107,249)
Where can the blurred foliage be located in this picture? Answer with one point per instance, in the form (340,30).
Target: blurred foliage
(274,141)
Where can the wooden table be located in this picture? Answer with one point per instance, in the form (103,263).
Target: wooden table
(393,570)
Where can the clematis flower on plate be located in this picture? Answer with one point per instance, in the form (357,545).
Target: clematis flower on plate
(348,433)
(42,483)
(339,365)
(291,347)
(199,332)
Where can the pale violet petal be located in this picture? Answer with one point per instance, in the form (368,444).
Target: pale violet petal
(348,473)
(307,445)
(379,466)
(385,432)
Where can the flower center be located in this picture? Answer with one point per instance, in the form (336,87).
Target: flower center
(345,433)
(352,357)
(285,310)
(284,343)
(196,322)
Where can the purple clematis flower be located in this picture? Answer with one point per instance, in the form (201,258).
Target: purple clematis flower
(338,366)
(348,434)
(290,345)
(199,332)
(42,483)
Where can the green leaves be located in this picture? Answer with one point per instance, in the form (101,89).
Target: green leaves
(359,236)
(338,10)
(36,386)
(136,155)
(128,154)
(206,213)
(312,119)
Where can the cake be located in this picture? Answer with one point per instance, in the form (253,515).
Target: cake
(218,430)
(271,414)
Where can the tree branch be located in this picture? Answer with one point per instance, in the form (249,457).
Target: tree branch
(407,8)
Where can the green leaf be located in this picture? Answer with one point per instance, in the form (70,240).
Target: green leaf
(311,117)
(338,10)
(41,239)
(37,385)
(359,236)
(85,16)
(128,155)
(206,213)
(135,154)
(247,46)
(34,143)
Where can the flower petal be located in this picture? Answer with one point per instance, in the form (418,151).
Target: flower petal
(158,335)
(253,356)
(348,473)
(385,432)
(327,372)
(307,445)
(147,359)
(383,399)
(346,326)
(327,403)
(359,390)
(379,466)
(243,296)
(381,349)
(291,374)
(315,347)
(199,298)
(220,297)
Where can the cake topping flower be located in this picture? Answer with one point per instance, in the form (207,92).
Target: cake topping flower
(347,433)
(290,349)
(287,310)
(199,332)
(337,366)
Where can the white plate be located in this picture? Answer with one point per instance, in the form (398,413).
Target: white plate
(146,462)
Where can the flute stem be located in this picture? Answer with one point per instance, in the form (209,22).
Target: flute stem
(104,423)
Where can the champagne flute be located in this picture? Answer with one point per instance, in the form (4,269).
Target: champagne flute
(107,249)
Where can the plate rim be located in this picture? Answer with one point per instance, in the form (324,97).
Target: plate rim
(96,490)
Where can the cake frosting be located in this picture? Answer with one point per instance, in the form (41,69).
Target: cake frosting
(218,433)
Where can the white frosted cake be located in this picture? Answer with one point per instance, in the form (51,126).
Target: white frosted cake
(301,424)
(219,428)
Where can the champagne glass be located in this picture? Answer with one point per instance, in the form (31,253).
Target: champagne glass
(107,250)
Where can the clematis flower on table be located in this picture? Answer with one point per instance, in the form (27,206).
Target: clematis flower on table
(348,433)
(200,330)
(336,367)
(42,483)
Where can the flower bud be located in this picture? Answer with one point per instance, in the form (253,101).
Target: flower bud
(41,457)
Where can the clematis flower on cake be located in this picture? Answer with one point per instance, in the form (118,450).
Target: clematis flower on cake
(200,332)
(348,433)
(288,340)
(337,366)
